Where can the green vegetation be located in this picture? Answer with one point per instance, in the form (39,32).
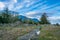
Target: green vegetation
(6,17)
(12,33)
(44,19)
(47,33)
(50,33)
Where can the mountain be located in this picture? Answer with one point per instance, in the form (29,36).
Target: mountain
(35,20)
(24,18)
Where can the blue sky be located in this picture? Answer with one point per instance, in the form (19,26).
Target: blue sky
(34,8)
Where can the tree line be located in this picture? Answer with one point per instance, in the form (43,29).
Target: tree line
(7,17)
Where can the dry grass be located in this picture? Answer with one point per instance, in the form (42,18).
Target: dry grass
(47,32)
(50,33)
(12,33)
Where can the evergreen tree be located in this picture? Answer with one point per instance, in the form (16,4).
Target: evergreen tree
(7,17)
(57,24)
(44,19)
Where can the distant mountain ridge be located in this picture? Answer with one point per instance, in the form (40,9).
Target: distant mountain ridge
(23,18)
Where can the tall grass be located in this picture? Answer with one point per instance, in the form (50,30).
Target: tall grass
(48,32)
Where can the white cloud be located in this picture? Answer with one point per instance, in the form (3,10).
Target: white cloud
(39,4)
(28,14)
(15,1)
(31,13)
(56,8)
(27,1)
(50,9)
(2,5)
(42,7)
(54,18)
(28,4)
(11,4)
(20,6)
(47,7)
(31,2)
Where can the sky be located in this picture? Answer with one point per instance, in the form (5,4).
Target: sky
(34,8)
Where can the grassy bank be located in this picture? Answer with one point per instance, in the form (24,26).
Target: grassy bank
(47,32)
(50,33)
